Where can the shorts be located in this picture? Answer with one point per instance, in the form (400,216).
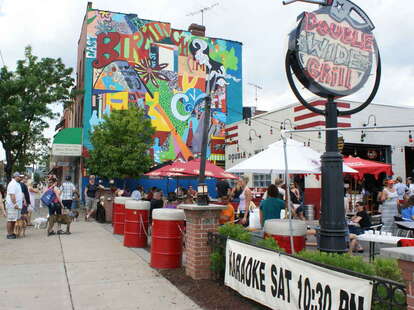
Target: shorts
(13,215)
(90,203)
(55,208)
(356,230)
(67,204)
(24,210)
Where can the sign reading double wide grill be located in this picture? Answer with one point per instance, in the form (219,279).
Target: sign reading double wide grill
(283,282)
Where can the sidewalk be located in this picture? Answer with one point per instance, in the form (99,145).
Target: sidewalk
(89,269)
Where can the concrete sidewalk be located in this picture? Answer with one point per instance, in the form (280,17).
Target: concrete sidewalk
(89,269)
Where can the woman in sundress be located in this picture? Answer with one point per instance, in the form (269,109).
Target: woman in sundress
(389,207)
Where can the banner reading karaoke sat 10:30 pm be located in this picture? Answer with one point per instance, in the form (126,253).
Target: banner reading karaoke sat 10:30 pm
(284,282)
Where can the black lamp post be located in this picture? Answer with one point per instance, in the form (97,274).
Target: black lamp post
(202,190)
(332,75)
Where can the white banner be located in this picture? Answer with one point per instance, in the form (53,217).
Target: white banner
(282,282)
(67,149)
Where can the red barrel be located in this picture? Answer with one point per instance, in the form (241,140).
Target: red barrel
(136,223)
(118,218)
(167,239)
(279,230)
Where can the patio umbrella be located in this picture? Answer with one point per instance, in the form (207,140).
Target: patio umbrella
(365,166)
(300,160)
(192,168)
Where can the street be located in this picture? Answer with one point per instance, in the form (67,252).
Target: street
(89,269)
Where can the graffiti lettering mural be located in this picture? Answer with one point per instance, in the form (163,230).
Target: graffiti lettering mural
(167,72)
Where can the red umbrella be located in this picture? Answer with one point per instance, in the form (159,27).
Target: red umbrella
(192,168)
(364,166)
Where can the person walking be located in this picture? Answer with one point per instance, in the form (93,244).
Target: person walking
(67,189)
(245,199)
(24,213)
(90,197)
(389,208)
(56,205)
(14,204)
(2,195)
(33,193)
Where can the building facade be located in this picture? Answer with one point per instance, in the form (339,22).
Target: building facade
(126,61)
(394,146)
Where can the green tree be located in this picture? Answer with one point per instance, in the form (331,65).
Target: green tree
(26,95)
(121,144)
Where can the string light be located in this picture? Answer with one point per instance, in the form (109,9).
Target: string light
(319,134)
(410,137)
(363,135)
(271,130)
(281,125)
(309,142)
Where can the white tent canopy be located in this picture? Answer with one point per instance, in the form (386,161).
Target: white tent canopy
(301,160)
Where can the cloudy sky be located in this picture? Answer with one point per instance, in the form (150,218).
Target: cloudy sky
(52,28)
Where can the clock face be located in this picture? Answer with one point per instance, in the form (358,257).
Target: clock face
(332,53)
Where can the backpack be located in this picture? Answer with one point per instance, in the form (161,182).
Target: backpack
(48,197)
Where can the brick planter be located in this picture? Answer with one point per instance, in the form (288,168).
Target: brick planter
(200,220)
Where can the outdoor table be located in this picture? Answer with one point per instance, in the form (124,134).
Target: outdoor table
(377,238)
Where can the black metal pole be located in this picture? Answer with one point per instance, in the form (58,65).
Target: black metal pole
(206,125)
(332,221)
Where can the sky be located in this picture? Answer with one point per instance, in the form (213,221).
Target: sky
(52,28)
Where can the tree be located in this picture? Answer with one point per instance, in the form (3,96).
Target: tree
(26,95)
(121,144)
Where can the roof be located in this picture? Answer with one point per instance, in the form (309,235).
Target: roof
(290,105)
(94,9)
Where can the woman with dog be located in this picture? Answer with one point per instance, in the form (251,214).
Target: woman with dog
(55,208)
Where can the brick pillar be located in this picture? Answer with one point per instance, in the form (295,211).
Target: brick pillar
(199,221)
(407,270)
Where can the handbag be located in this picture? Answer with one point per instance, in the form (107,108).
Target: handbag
(48,197)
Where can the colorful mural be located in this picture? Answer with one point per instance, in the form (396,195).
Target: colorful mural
(135,62)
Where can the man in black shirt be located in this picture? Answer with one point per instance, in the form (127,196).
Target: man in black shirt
(90,196)
(156,203)
(26,200)
(223,188)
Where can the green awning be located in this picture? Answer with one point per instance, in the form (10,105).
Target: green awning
(67,142)
(68,136)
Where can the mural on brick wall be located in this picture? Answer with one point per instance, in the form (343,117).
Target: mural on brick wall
(130,61)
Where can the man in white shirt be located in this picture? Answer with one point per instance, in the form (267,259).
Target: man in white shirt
(136,194)
(67,189)
(14,204)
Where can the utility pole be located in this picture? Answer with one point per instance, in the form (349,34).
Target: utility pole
(202,11)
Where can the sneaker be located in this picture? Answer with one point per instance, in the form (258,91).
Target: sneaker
(51,233)
(13,236)
(60,232)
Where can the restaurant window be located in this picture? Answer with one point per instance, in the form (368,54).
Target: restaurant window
(261,180)
(233,182)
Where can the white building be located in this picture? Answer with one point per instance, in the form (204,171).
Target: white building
(245,138)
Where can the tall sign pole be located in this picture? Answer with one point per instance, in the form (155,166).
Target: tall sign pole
(332,55)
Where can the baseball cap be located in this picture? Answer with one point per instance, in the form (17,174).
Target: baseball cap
(16,174)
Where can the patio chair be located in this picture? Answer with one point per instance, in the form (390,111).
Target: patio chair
(401,231)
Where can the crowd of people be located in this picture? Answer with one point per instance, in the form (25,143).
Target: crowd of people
(22,198)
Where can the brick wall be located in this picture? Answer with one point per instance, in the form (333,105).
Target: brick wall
(407,269)
(198,224)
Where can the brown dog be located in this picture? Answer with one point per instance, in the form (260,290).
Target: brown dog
(20,228)
(60,219)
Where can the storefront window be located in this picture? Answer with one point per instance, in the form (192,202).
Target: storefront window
(261,180)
